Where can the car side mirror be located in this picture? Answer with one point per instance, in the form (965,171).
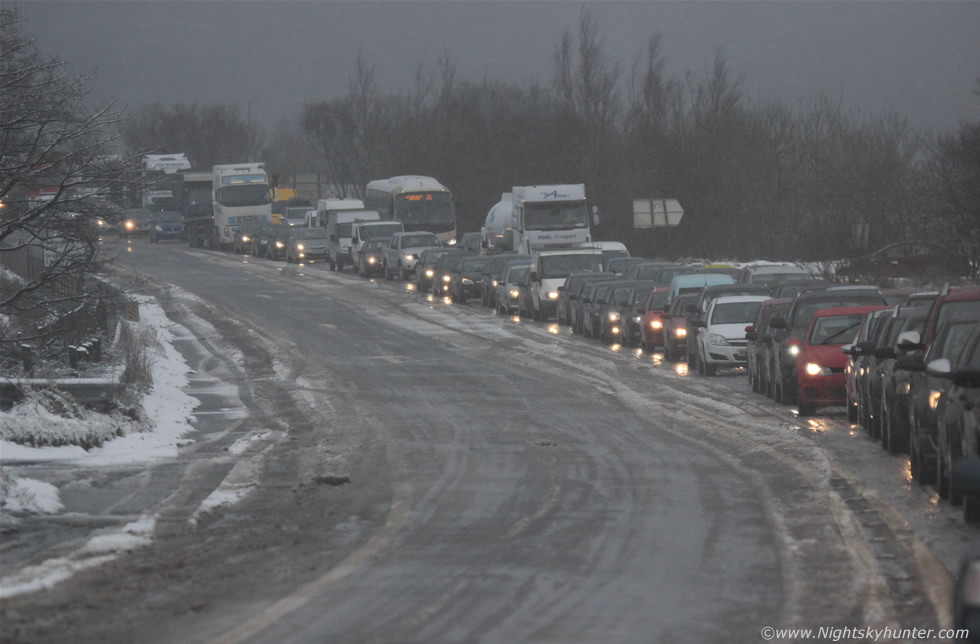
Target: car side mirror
(699,323)
(562,289)
(848,349)
(884,353)
(941,368)
(750,329)
(911,363)
(640,311)
(910,341)
(777,322)
(355,240)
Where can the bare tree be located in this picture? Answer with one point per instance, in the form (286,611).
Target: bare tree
(58,181)
(207,134)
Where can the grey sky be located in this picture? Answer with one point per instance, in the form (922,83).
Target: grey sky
(917,59)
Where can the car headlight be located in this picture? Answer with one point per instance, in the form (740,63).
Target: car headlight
(467,280)
(515,294)
(100,222)
(130,225)
(814,369)
(905,388)
(552,295)
(613,316)
(279,244)
(300,246)
(680,333)
(934,397)
(656,325)
(159,229)
(430,273)
(372,260)
(717,340)
(446,278)
(246,239)
(495,283)
(637,319)
(793,350)
(409,257)
(451,242)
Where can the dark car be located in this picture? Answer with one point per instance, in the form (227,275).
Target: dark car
(372,255)
(617,265)
(758,338)
(651,318)
(792,288)
(925,391)
(470,243)
(135,221)
(891,384)
(675,327)
(790,330)
(467,277)
(508,292)
(615,322)
(167,224)
(276,247)
(961,407)
(955,439)
(568,292)
(966,588)
(243,236)
(426,266)
(919,259)
(442,273)
(306,244)
(261,238)
(583,302)
(491,276)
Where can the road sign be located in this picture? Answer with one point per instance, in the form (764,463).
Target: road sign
(656,213)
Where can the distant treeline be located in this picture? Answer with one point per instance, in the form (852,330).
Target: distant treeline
(756,179)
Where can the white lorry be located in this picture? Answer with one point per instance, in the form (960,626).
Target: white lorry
(241,193)
(539,218)
(157,188)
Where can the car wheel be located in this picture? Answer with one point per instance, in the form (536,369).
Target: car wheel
(331,263)
(952,458)
(387,271)
(754,380)
(340,266)
(806,409)
(971,508)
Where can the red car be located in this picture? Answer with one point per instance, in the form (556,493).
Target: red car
(652,324)
(821,363)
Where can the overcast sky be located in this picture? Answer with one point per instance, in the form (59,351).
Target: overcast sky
(918,59)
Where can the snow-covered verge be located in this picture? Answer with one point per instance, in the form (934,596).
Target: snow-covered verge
(31,431)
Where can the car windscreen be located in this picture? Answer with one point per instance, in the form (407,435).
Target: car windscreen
(557,266)
(836,329)
(658,300)
(473,264)
(735,312)
(311,233)
(805,311)
(168,217)
(379,230)
(416,241)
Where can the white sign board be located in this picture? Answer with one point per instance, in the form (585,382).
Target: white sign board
(656,213)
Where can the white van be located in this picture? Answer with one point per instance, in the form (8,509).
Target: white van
(364,231)
(339,226)
(549,268)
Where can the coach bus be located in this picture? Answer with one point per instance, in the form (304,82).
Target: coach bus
(419,203)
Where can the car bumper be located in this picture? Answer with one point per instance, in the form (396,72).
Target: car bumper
(823,390)
(725,355)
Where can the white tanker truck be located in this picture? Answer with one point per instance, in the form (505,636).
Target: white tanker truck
(534,218)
